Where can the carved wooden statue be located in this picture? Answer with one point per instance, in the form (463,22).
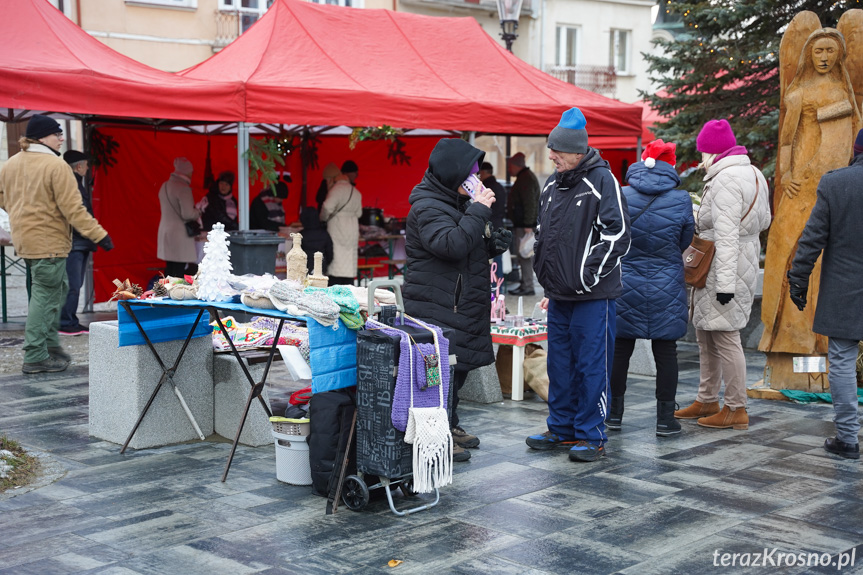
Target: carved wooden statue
(818,121)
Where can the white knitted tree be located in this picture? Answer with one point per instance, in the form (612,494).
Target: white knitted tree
(215,269)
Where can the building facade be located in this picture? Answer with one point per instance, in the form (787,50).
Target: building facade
(594,44)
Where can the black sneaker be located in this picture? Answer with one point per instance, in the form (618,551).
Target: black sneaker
(585,451)
(50,365)
(548,440)
(842,449)
(463,438)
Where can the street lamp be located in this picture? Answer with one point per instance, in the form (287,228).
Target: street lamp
(509,11)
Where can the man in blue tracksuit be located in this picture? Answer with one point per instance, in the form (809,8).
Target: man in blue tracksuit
(582,234)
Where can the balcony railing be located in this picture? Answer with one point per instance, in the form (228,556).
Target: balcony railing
(599,79)
(231,23)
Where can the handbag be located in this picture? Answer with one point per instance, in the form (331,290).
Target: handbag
(696,261)
(525,246)
(698,257)
(429,432)
(193,228)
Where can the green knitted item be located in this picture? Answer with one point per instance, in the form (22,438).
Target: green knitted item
(349,307)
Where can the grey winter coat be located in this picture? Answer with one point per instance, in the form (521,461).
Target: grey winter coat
(178,207)
(729,189)
(833,227)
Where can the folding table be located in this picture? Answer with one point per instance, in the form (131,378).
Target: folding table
(171,321)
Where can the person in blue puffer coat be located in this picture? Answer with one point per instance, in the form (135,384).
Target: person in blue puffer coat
(653,304)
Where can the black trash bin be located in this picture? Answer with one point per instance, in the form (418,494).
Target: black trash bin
(254,251)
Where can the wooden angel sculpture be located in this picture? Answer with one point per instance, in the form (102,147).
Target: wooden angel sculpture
(818,120)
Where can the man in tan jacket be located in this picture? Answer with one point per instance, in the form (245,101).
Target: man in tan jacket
(40,193)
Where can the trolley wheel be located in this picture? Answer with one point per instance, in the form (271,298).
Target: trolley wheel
(355,493)
(407,487)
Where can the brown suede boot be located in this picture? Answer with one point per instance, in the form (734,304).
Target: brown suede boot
(738,419)
(697,409)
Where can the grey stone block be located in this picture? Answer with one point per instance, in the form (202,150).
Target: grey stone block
(642,362)
(123,378)
(482,386)
(231,390)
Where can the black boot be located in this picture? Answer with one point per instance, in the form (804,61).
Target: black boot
(615,415)
(665,423)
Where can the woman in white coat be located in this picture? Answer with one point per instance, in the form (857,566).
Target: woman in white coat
(342,210)
(734,210)
(178,207)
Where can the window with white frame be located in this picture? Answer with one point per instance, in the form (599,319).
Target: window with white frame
(348,3)
(166,3)
(566,46)
(249,11)
(618,50)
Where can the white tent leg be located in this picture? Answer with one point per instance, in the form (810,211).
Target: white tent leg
(243,174)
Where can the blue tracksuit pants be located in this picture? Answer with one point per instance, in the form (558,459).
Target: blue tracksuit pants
(580,357)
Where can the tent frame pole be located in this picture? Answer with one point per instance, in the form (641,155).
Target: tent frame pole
(243,174)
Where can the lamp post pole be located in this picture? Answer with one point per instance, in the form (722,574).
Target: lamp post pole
(509,11)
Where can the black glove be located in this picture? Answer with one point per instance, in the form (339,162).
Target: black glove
(501,240)
(798,294)
(724,298)
(106,244)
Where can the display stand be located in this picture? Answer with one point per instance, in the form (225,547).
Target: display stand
(518,337)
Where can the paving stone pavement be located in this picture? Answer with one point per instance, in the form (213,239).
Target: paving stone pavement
(652,505)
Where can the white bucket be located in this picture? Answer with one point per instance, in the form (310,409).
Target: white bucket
(292,459)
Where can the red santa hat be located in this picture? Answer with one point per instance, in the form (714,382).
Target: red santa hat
(658,150)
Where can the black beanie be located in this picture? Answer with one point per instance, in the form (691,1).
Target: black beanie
(349,166)
(41,126)
(74,156)
(227,176)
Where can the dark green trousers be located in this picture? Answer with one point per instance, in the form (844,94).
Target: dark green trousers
(47,296)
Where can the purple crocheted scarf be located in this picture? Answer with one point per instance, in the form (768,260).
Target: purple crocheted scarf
(422,398)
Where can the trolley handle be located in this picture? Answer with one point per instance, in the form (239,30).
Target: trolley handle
(397,290)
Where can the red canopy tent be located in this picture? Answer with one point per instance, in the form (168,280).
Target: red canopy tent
(305,63)
(300,64)
(48,63)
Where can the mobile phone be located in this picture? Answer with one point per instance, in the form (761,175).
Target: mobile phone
(472,185)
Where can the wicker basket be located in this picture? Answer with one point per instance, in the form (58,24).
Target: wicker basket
(295,427)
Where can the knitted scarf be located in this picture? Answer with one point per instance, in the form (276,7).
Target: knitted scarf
(316,305)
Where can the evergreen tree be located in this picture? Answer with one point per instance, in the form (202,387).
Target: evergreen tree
(725,64)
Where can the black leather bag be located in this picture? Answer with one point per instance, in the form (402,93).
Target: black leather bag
(193,228)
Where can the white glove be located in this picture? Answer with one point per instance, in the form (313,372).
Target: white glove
(202,204)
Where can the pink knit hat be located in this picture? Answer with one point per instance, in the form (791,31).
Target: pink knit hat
(715,137)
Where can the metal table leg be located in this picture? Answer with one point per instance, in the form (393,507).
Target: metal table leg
(257,388)
(3,279)
(167,375)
